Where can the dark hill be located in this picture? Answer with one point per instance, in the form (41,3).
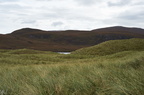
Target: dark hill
(68,40)
(120,29)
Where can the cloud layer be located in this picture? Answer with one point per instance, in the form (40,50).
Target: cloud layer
(69,14)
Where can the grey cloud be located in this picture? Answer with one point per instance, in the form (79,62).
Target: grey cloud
(13,9)
(87,2)
(59,23)
(132,15)
(8,1)
(67,14)
(130,18)
(29,22)
(138,3)
(119,3)
(44,0)
(10,6)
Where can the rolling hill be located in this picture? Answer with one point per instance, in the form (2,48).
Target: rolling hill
(68,40)
(113,46)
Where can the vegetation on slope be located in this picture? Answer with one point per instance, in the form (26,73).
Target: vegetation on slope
(113,46)
(69,40)
(56,74)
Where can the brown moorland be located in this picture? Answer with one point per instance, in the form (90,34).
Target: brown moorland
(68,40)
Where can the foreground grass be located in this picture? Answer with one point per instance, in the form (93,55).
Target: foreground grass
(47,73)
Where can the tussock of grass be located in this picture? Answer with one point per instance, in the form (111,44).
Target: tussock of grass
(79,79)
(113,46)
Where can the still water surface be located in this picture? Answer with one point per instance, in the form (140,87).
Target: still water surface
(64,52)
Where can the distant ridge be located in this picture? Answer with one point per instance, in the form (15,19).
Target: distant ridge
(121,28)
(68,40)
(26,30)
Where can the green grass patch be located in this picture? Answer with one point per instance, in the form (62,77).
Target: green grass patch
(26,72)
(113,46)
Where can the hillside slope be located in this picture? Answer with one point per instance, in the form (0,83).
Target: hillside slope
(68,40)
(113,46)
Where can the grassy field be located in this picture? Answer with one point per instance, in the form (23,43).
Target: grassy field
(31,72)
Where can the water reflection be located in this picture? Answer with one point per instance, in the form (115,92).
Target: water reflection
(64,52)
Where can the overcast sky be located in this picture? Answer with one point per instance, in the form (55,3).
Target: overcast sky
(70,14)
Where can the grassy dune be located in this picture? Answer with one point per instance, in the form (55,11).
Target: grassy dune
(113,46)
(30,72)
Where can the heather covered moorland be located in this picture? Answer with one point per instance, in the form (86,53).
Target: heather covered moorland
(68,40)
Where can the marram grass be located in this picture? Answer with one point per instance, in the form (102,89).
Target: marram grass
(46,73)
